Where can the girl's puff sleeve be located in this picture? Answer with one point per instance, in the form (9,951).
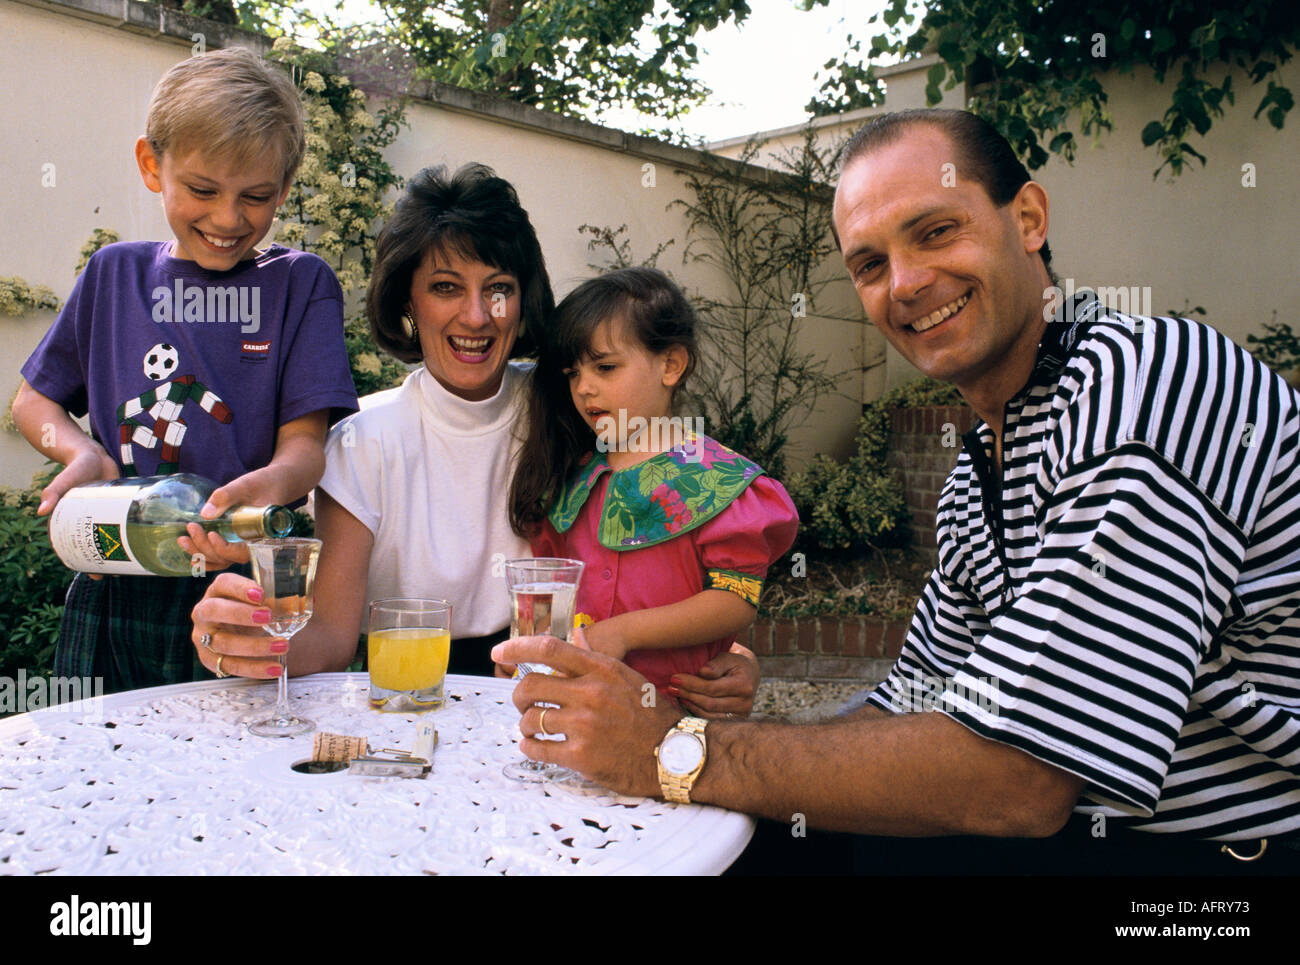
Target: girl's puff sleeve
(739,545)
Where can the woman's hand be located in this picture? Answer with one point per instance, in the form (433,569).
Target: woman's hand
(228,625)
(724,687)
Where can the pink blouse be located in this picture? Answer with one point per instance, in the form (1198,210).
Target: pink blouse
(747,537)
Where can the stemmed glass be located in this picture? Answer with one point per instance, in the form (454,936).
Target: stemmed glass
(543,594)
(286,570)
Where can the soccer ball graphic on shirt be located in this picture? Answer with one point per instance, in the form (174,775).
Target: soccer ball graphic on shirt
(153,419)
(160,362)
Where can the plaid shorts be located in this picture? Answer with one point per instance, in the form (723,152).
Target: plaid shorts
(132,631)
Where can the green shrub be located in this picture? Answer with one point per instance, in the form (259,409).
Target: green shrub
(372,370)
(1279,349)
(856,505)
(921,392)
(847,506)
(32,582)
(859,505)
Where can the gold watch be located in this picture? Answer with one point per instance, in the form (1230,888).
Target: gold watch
(681,756)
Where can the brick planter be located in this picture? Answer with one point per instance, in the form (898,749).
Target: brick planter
(924,442)
(826,648)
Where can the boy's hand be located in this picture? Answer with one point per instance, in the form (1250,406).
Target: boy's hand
(88,466)
(216,552)
(249,489)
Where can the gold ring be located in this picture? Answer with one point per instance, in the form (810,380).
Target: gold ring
(541,722)
(221,673)
(205,642)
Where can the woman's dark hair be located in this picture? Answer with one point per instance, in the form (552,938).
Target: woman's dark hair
(653,310)
(983,155)
(474,214)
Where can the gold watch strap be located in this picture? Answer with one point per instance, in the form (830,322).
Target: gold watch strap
(677,787)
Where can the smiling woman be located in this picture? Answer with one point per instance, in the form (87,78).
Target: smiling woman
(412,503)
(466,315)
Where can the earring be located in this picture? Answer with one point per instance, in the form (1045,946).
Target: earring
(409,328)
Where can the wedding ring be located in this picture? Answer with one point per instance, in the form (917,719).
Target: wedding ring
(541,721)
(221,673)
(205,642)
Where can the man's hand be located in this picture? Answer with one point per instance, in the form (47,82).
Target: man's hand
(610,732)
(724,687)
(91,464)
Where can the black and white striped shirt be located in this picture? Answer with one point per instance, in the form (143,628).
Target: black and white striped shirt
(1123,602)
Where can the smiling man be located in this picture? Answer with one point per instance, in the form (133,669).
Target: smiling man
(1114,612)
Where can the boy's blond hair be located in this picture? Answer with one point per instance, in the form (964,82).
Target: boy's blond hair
(230,104)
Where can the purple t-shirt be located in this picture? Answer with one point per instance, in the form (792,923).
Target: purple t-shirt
(188,370)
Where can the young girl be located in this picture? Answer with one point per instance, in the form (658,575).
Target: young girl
(677,531)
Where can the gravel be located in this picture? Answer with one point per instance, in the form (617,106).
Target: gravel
(804,701)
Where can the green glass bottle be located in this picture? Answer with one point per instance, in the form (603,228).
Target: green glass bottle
(130,526)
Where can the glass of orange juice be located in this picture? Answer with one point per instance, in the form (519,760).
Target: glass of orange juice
(408,645)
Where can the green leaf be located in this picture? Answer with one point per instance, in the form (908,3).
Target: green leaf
(1152,133)
(1060,141)
(650,476)
(1128,29)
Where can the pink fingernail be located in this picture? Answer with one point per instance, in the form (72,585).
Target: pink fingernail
(261,616)
(255,595)
(280,646)
(274,670)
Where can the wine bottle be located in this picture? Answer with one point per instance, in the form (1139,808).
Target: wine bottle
(130,526)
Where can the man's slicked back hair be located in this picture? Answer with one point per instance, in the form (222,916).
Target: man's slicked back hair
(983,155)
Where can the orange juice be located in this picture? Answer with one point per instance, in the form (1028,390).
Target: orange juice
(409,659)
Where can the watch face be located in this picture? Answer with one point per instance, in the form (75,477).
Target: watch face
(681,753)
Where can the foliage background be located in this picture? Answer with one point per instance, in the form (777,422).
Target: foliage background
(1037,69)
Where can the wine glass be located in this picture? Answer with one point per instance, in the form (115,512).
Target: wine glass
(543,594)
(285,569)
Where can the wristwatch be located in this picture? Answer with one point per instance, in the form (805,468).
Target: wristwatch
(681,755)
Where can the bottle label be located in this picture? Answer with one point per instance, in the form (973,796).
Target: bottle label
(88,531)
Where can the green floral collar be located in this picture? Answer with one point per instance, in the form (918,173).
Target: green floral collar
(659,499)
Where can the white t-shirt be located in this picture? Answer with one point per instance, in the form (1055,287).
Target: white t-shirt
(428,474)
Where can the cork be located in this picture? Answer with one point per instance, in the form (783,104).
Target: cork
(337,747)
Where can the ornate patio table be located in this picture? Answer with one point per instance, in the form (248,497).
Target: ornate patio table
(169,781)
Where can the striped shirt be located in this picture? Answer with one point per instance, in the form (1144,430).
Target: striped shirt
(1122,600)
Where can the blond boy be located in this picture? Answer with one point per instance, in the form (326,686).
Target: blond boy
(200,354)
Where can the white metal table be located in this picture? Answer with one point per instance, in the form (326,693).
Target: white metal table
(169,781)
